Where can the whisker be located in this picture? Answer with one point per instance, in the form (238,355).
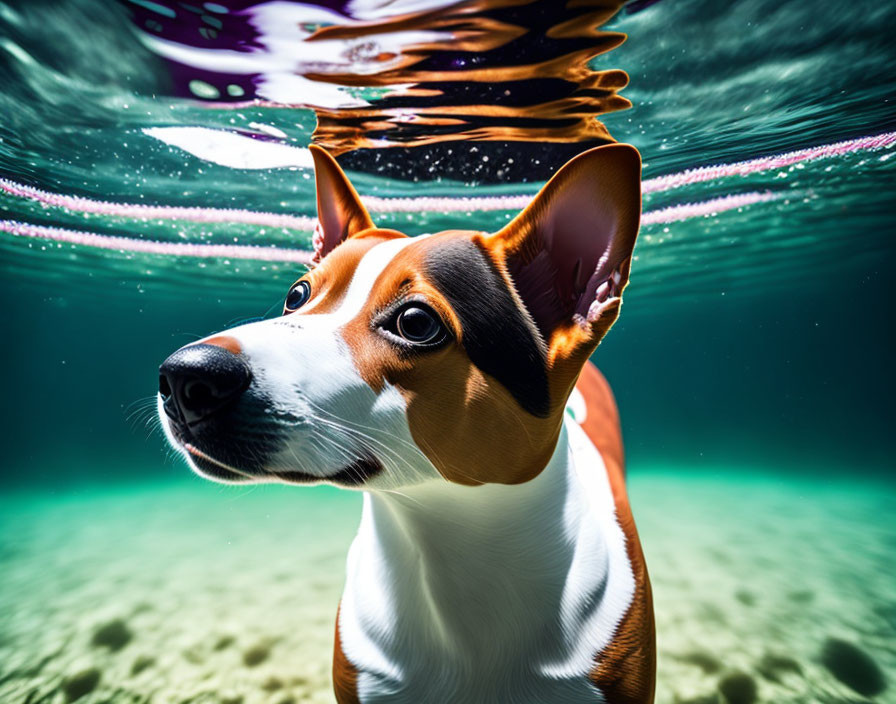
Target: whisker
(345,427)
(373,445)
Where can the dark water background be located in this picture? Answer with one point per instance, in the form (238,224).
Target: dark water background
(760,337)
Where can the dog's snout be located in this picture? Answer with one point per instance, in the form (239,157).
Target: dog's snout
(198,380)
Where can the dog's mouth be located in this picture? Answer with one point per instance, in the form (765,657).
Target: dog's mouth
(215,468)
(355,474)
(224,446)
(206,462)
(220,452)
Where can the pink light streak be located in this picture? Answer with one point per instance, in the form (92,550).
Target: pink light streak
(670,214)
(433,204)
(674,213)
(79,204)
(767,163)
(436,204)
(176,249)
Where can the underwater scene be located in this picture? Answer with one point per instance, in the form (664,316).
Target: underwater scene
(157,186)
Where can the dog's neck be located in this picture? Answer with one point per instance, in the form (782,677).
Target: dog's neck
(471,549)
(482,576)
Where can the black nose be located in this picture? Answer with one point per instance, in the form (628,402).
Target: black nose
(198,380)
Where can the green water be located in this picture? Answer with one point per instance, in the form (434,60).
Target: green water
(753,360)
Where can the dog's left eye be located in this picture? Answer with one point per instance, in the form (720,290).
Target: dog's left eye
(298,296)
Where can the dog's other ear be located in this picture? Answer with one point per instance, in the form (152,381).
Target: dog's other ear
(569,252)
(340,212)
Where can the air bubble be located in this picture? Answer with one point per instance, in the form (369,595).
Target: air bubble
(201,89)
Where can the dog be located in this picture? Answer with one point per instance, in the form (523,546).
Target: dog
(447,376)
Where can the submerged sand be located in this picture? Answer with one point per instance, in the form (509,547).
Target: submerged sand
(767,589)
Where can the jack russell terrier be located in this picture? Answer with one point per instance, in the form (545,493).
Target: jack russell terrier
(447,376)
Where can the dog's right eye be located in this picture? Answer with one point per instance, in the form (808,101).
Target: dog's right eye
(298,296)
(418,325)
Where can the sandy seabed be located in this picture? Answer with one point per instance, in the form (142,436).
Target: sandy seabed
(767,589)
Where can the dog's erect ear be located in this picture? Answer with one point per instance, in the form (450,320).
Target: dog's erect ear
(569,252)
(340,212)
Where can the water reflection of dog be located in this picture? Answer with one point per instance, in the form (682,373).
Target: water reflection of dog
(485,90)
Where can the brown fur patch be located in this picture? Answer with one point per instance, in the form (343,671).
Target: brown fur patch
(331,278)
(450,401)
(345,675)
(465,397)
(472,429)
(625,670)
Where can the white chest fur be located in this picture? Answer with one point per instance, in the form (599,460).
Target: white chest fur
(488,594)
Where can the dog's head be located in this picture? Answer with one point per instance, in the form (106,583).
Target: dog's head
(399,359)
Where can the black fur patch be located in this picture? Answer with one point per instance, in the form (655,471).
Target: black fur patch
(499,339)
